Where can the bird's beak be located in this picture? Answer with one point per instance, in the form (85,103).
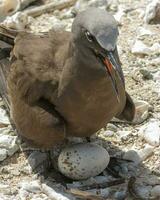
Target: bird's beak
(113,69)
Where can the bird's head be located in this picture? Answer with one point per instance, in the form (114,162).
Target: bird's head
(97,30)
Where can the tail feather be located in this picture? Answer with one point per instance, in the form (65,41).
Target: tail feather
(4,53)
(7,37)
(4,69)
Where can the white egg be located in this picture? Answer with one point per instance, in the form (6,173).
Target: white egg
(82,161)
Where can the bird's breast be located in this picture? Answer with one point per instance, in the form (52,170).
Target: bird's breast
(87,101)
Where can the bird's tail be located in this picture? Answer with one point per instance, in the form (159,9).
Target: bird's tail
(7,37)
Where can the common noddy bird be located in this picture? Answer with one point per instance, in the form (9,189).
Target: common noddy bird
(62,84)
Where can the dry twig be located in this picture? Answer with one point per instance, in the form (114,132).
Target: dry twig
(102,185)
(34,12)
(84,195)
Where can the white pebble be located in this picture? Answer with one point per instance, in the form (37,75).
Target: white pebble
(83,4)
(152,14)
(9,143)
(23,194)
(118,16)
(139,48)
(17,21)
(155,192)
(156,76)
(108,133)
(5,189)
(3,154)
(123,135)
(137,156)
(141,111)
(141,31)
(143,191)
(3,117)
(146,152)
(120,195)
(151,132)
(6,141)
(133,156)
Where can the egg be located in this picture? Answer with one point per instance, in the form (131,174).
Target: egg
(82,161)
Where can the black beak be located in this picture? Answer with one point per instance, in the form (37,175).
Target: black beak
(114,70)
(117,66)
(111,61)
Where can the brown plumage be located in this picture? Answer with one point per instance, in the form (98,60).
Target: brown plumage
(57,84)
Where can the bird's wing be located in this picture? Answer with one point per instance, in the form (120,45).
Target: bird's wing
(36,68)
(128,112)
(4,65)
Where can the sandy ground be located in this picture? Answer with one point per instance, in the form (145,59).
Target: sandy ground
(14,170)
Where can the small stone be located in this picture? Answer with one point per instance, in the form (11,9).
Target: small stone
(5,189)
(143,191)
(111,127)
(152,180)
(26,170)
(5,131)
(139,48)
(133,156)
(17,21)
(146,74)
(118,16)
(104,192)
(145,152)
(141,31)
(151,132)
(3,117)
(108,133)
(15,172)
(155,192)
(156,77)
(3,154)
(82,5)
(113,5)
(23,194)
(141,111)
(75,140)
(155,61)
(123,135)
(137,156)
(120,195)
(152,14)
(45,23)
(33,186)
(9,143)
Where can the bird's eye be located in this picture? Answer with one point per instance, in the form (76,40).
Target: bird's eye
(89,36)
